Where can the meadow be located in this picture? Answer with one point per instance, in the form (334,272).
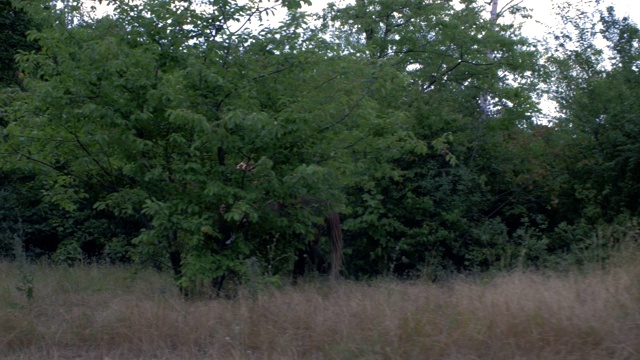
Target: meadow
(107,312)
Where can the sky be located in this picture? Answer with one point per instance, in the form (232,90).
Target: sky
(541,10)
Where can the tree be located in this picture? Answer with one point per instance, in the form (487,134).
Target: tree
(148,112)
(14,25)
(420,210)
(598,107)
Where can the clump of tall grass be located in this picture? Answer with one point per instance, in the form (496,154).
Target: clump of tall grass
(93,312)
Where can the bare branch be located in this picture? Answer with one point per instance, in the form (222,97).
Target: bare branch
(508,7)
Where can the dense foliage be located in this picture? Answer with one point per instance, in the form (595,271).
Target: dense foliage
(208,137)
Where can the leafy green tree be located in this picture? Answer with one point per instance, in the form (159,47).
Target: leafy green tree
(148,112)
(22,213)
(599,110)
(14,25)
(208,141)
(417,209)
(592,179)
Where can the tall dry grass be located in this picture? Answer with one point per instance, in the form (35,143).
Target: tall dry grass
(109,313)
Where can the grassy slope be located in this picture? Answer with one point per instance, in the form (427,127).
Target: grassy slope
(100,313)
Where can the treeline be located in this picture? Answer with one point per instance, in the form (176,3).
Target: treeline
(418,121)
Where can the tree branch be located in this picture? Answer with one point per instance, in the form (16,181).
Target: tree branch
(84,148)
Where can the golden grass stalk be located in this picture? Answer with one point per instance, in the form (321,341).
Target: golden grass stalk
(96,312)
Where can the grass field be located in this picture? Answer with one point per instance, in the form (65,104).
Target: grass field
(94,312)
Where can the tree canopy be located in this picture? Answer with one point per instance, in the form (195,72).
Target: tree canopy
(166,133)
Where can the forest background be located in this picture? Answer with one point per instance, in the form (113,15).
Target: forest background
(418,121)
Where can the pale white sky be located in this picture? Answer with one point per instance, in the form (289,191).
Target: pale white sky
(541,10)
